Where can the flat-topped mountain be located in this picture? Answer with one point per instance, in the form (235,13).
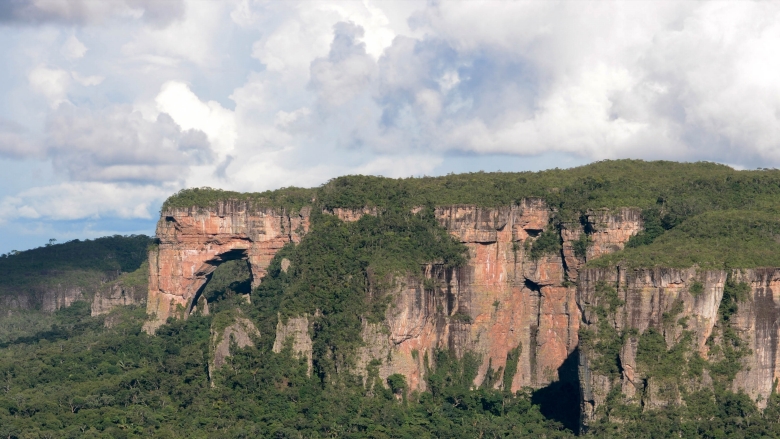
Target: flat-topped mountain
(608,294)
(510,269)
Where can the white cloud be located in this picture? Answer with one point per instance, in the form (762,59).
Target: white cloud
(118,144)
(84,200)
(50,83)
(347,71)
(189,38)
(73,48)
(155,12)
(15,141)
(189,112)
(87,80)
(172,93)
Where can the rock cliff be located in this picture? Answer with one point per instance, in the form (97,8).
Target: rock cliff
(682,305)
(104,291)
(193,242)
(504,303)
(238,331)
(501,302)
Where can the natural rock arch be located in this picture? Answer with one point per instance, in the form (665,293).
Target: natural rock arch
(205,272)
(194,241)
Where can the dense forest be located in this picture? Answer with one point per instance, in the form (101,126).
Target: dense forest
(76,262)
(84,376)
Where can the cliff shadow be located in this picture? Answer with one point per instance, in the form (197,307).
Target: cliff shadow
(560,401)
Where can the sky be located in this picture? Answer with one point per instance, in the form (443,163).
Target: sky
(108,108)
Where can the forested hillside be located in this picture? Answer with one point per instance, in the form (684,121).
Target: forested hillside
(101,376)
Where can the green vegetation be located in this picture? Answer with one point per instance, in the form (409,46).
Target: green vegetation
(67,374)
(694,213)
(726,346)
(711,240)
(86,264)
(659,362)
(341,272)
(705,414)
(548,242)
(603,345)
(580,246)
(92,382)
(291,198)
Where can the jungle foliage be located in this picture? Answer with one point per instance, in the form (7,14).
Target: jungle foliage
(84,263)
(341,273)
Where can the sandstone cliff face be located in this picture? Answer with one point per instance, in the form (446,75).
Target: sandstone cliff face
(117,294)
(193,242)
(758,322)
(103,290)
(501,301)
(667,300)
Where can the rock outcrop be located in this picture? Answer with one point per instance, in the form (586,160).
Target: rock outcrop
(239,332)
(194,241)
(127,289)
(104,292)
(295,330)
(501,302)
(674,302)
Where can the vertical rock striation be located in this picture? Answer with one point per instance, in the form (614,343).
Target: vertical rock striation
(194,241)
(673,302)
(502,301)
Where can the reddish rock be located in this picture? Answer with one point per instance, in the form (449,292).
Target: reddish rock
(650,293)
(499,301)
(194,241)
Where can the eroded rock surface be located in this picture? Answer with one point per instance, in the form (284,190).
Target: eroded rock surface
(501,301)
(240,332)
(194,241)
(667,300)
(295,329)
(118,294)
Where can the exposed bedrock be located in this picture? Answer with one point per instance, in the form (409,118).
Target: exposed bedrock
(672,301)
(500,302)
(194,241)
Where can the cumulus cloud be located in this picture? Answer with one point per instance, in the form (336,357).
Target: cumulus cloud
(681,81)
(189,112)
(50,83)
(347,71)
(189,38)
(84,200)
(73,48)
(252,95)
(87,11)
(118,144)
(15,141)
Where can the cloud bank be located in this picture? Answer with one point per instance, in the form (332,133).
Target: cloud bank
(132,100)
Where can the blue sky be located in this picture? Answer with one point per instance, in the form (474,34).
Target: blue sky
(109,107)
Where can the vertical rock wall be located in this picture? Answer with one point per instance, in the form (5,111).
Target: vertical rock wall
(500,301)
(666,300)
(194,241)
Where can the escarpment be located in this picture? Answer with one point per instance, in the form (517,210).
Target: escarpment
(704,333)
(562,289)
(194,241)
(502,302)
